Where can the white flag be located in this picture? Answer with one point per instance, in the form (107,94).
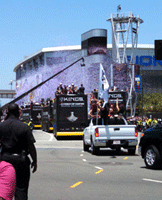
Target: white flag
(103,91)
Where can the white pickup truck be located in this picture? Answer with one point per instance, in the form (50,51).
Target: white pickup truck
(110,136)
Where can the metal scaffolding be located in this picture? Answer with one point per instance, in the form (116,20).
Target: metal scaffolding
(125,27)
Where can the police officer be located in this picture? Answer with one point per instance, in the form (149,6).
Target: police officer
(148,123)
(155,121)
(139,124)
(17,143)
(30,124)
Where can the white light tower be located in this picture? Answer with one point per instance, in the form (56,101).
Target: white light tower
(125,27)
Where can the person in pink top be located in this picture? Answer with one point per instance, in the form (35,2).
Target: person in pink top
(7,181)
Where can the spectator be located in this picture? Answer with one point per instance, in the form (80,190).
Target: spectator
(70,91)
(7,181)
(73,87)
(155,121)
(60,88)
(122,109)
(92,98)
(48,101)
(105,113)
(114,109)
(65,89)
(94,113)
(81,89)
(100,103)
(42,102)
(95,93)
(75,91)
(57,92)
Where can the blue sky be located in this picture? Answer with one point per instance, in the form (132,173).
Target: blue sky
(28,26)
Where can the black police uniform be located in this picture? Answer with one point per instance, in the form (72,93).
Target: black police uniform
(15,136)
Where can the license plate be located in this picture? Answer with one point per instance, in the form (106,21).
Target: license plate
(116,142)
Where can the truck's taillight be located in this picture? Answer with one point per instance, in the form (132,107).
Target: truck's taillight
(96,132)
(136,132)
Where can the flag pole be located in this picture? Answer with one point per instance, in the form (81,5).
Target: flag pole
(98,91)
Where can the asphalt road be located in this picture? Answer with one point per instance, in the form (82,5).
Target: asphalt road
(65,172)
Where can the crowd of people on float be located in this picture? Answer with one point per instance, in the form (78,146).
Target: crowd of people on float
(61,90)
(113,113)
(71,89)
(105,112)
(101,112)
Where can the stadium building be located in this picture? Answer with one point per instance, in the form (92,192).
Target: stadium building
(41,65)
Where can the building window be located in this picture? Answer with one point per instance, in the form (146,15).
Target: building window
(10,96)
(35,65)
(41,61)
(18,73)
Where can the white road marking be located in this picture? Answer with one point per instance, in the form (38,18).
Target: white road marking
(84,160)
(151,180)
(51,136)
(81,154)
(98,167)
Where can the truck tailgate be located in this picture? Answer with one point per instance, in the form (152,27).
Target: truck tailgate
(117,131)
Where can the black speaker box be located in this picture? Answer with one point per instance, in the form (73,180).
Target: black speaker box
(158,49)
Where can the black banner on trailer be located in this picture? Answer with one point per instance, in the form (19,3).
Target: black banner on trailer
(71,114)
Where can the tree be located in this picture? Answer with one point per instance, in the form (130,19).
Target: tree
(151,103)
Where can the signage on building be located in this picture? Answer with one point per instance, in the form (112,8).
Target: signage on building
(146,60)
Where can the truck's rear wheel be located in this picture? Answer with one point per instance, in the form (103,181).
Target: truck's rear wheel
(85,147)
(94,150)
(152,157)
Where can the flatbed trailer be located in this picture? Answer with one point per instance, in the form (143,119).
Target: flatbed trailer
(70,115)
(32,112)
